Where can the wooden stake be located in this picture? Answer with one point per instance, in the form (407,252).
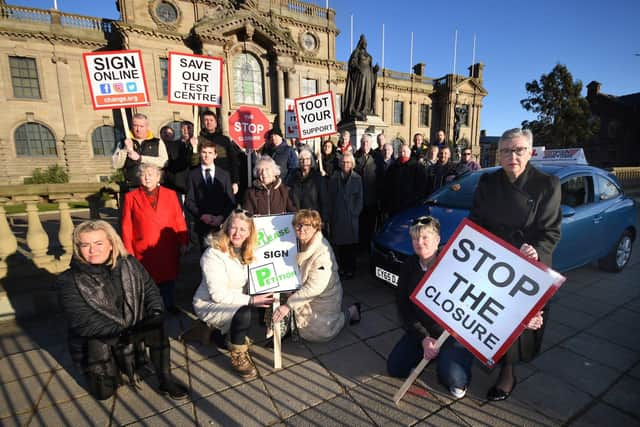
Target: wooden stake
(196,121)
(277,338)
(417,371)
(125,123)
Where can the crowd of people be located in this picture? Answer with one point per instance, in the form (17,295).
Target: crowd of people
(338,197)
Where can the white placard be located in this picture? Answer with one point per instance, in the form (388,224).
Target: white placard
(316,115)
(290,120)
(116,79)
(274,268)
(483,291)
(195,79)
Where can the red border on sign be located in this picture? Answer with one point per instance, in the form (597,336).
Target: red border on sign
(518,329)
(215,58)
(116,52)
(333,107)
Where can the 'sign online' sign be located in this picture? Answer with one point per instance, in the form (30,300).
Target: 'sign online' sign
(116,79)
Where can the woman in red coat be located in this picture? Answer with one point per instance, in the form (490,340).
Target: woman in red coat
(154,230)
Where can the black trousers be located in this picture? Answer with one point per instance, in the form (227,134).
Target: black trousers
(127,353)
(240,325)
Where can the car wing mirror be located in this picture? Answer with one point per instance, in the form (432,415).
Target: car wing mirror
(567,211)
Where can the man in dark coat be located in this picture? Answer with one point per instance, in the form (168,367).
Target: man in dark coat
(521,205)
(366,168)
(226,153)
(405,182)
(345,204)
(284,156)
(183,155)
(210,196)
(444,171)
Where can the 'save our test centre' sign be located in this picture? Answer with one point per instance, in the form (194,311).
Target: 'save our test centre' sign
(483,291)
(116,79)
(195,79)
(275,268)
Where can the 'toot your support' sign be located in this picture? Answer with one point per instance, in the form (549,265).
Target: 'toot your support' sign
(316,115)
(116,79)
(274,268)
(483,291)
(195,79)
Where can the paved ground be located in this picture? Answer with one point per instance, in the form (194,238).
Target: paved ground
(588,373)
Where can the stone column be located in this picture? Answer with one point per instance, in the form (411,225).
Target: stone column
(8,242)
(65,234)
(294,86)
(37,238)
(280,77)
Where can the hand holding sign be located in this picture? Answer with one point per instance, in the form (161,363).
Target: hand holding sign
(264,300)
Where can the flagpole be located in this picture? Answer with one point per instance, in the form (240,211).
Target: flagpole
(55,4)
(411,55)
(473,57)
(455,51)
(383,46)
(351,36)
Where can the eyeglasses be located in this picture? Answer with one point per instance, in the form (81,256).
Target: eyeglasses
(519,151)
(242,211)
(427,220)
(301,226)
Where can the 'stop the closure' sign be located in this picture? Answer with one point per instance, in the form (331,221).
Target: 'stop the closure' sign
(316,115)
(484,291)
(275,268)
(116,79)
(195,79)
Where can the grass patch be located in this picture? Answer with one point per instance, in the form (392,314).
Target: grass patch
(43,207)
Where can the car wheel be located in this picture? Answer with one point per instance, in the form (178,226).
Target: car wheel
(620,254)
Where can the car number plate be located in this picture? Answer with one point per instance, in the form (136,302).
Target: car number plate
(387,276)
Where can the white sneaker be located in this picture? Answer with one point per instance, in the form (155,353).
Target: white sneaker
(458,393)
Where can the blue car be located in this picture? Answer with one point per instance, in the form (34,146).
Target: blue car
(599,221)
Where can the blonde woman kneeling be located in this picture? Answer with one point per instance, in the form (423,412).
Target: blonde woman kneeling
(221,300)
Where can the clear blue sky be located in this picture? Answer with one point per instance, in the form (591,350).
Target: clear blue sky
(516,40)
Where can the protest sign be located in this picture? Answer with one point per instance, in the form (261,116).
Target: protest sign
(195,79)
(316,115)
(274,268)
(116,79)
(248,127)
(483,291)
(290,120)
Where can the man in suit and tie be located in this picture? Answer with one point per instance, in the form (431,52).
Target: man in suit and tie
(209,194)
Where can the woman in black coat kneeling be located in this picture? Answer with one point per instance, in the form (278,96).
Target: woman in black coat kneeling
(114,311)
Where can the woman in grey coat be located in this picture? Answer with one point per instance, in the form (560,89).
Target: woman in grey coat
(345,199)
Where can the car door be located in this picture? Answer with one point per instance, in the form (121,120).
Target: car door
(580,222)
(610,224)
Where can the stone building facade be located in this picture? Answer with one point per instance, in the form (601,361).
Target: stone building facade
(272,50)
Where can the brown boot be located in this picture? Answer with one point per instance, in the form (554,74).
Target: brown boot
(240,360)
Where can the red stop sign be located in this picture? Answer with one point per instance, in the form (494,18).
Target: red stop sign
(248,127)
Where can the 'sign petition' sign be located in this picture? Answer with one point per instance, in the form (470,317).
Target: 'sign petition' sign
(116,79)
(274,268)
(483,291)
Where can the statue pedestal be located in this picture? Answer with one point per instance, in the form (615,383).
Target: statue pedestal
(373,126)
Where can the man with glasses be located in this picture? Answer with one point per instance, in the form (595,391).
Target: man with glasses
(521,205)
(467,163)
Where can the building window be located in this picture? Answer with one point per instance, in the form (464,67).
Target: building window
(34,139)
(309,87)
(398,112)
(164,76)
(424,115)
(247,80)
(24,77)
(104,140)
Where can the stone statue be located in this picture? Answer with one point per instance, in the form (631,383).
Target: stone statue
(360,92)
(461,113)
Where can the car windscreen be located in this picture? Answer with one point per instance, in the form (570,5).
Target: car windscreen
(457,194)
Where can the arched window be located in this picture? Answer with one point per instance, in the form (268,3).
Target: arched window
(247,80)
(34,139)
(104,140)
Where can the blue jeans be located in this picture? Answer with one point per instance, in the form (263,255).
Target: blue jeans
(454,361)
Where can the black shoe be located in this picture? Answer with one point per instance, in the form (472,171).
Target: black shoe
(358,307)
(174,390)
(496,395)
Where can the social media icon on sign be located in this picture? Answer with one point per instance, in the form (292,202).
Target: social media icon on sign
(118,87)
(132,87)
(105,88)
